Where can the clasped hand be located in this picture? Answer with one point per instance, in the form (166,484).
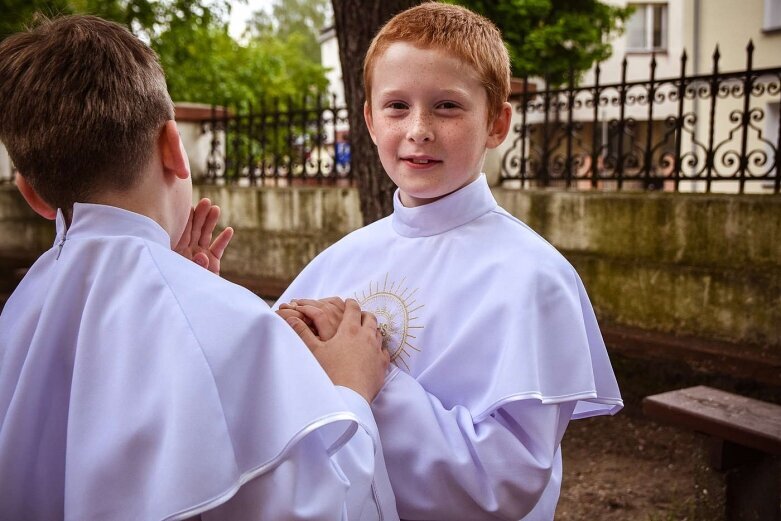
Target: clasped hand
(345,341)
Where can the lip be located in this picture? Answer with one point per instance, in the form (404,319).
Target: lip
(420,162)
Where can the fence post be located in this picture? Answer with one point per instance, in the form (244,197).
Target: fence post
(289,114)
(594,148)
(524,130)
(263,115)
(319,137)
(650,124)
(679,121)
(544,174)
(714,94)
(250,140)
(621,123)
(748,82)
(777,187)
(275,144)
(570,125)
(225,123)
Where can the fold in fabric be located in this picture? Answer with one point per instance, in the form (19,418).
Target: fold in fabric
(474,305)
(136,385)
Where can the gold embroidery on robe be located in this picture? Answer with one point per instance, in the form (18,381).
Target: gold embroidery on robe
(395,307)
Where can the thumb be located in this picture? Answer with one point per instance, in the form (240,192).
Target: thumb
(201,259)
(299,326)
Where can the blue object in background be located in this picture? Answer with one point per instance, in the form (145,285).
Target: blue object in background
(342,153)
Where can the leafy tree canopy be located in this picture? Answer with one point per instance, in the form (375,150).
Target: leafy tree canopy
(202,62)
(547,37)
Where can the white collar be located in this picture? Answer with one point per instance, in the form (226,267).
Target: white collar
(93,220)
(453,210)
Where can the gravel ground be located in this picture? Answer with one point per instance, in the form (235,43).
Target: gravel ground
(626,467)
(630,468)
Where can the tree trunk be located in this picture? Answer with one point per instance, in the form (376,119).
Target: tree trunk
(357,21)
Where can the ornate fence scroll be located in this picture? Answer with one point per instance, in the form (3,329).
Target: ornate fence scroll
(711,132)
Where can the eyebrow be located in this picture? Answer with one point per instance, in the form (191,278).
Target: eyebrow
(390,93)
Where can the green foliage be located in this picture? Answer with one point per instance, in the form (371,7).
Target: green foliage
(548,37)
(202,62)
(17,14)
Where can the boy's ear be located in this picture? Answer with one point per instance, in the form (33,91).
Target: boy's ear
(500,127)
(367,116)
(172,151)
(35,201)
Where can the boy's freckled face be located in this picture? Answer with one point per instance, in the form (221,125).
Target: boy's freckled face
(428,118)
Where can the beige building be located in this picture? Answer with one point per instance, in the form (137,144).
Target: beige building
(662,30)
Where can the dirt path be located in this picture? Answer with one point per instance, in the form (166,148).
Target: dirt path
(626,468)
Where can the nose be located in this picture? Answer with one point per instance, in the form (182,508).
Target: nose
(420,129)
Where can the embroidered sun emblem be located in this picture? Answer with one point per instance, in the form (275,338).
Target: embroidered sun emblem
(394,307)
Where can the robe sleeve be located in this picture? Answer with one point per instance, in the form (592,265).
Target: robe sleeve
(445,465)
(312,483)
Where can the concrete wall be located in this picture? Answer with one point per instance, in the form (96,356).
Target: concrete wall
(279,230)
(689,264)
(702,265)
(22,231)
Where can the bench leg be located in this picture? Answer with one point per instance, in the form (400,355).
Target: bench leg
(710,485)
(742,484)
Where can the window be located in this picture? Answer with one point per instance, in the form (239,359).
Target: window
(646,29)
(772,15)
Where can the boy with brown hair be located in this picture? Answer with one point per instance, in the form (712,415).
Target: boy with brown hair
(134,384)
(495,342)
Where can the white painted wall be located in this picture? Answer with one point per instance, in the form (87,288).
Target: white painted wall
(329,58)
(5,165)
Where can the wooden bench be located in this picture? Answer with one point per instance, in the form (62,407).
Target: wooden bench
(741,450)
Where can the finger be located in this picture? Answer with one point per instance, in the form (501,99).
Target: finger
(293,311)
(352,312)
(368,319)
(319,318)
(303,331)
(199,217)
(221,242)
(310,302)
(201,259)
(212,216)
(184,240)
(290,313)
(335,301)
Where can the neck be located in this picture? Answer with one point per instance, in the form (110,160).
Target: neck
(146,198)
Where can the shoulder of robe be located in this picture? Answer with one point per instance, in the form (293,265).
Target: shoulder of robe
(522,248)
(195,285)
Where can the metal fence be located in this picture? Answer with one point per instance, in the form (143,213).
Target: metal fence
(286,142)
(686,133)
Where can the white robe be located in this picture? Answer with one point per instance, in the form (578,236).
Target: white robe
(135,385)
(496,347)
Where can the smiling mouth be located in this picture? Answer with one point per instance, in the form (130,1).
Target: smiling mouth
(421,161)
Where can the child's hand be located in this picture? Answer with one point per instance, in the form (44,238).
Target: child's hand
(354,357)
(322,316)
(194,243)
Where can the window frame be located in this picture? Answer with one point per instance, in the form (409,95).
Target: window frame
(648,34)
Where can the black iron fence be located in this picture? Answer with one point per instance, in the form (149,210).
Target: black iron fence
(286,141)
(685,133)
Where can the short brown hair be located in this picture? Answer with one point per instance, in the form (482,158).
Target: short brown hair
(82,103)
(469,36)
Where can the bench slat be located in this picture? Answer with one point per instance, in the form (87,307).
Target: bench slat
(738,419)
